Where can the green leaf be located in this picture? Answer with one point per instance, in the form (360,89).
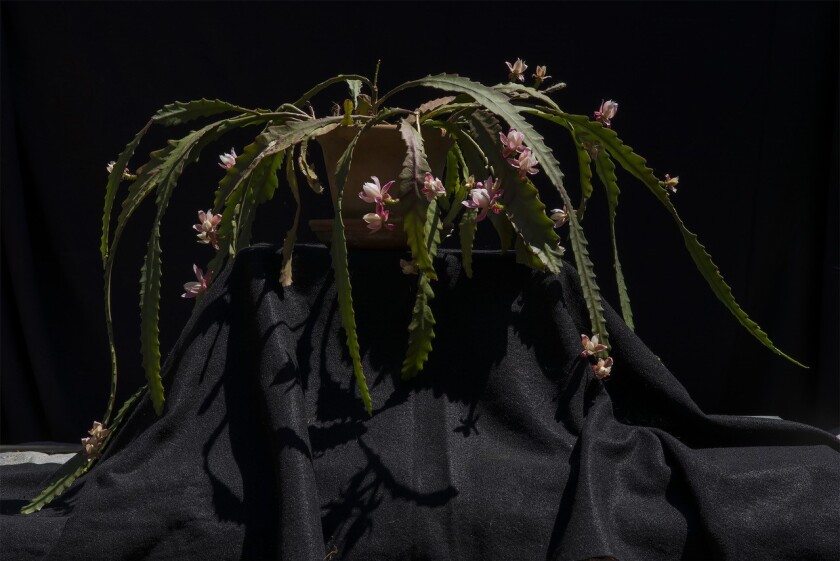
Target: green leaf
(114,180)
(637,166)
(414,214)
(585,168)
(606,173)
(246,212)
(455,193)
(432,227)
(415,208)
(588,282)
(504,229)
(179,112)
(265,179)
(291,235)
(435,104)
(307,170)
(525,212)
(473,157)
(75,467)
(421,328)
(519,91)
(525,254)
(466,229)
(150,275)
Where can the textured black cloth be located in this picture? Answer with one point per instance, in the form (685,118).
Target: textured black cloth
(504,448)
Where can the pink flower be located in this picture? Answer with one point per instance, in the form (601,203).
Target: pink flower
(93,444)
(539,76)
(559,216)
(525,162)
(513,142)
(590,347)
(91,447)
(606,112)
(195,288)
(409,267)
(374,192)
(670,183)
(432,187)
(484,197)
(602,369)
(377,220)
(228,159)
(207,228)
(517,70)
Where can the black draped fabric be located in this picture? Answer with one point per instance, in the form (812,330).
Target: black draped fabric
(504,448)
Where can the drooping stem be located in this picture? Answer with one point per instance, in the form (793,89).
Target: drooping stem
(375,88)
(109,325)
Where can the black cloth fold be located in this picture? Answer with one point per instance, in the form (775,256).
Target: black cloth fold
(504,447)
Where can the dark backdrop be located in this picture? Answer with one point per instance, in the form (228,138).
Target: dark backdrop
(738,99)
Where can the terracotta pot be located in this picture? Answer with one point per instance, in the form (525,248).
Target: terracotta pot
(380,152)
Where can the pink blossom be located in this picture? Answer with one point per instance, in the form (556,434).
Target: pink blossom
(98,430)
(513,142)
(591,346)
(432,187)
(602,368)
(377,220)
(409,267)
(484,197)
(526,163)
(606,112)
(374,192)
(195,288)
(207,228)
(91,447)
(517,70)
(670,183)
(228,159)
(93,444)
(540,76)
(559,216)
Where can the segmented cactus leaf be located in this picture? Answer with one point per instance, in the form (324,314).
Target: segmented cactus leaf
(606,173)
(421,328)
(412,178)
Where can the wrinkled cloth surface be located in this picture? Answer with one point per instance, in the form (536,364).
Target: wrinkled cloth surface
(504,448)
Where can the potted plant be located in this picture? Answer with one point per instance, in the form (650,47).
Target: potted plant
(399,177)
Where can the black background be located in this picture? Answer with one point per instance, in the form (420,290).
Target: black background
(738,99)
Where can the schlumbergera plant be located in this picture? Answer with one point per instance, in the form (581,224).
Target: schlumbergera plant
(493,151)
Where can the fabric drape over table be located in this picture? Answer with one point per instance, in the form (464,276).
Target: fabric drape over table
(504,448)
